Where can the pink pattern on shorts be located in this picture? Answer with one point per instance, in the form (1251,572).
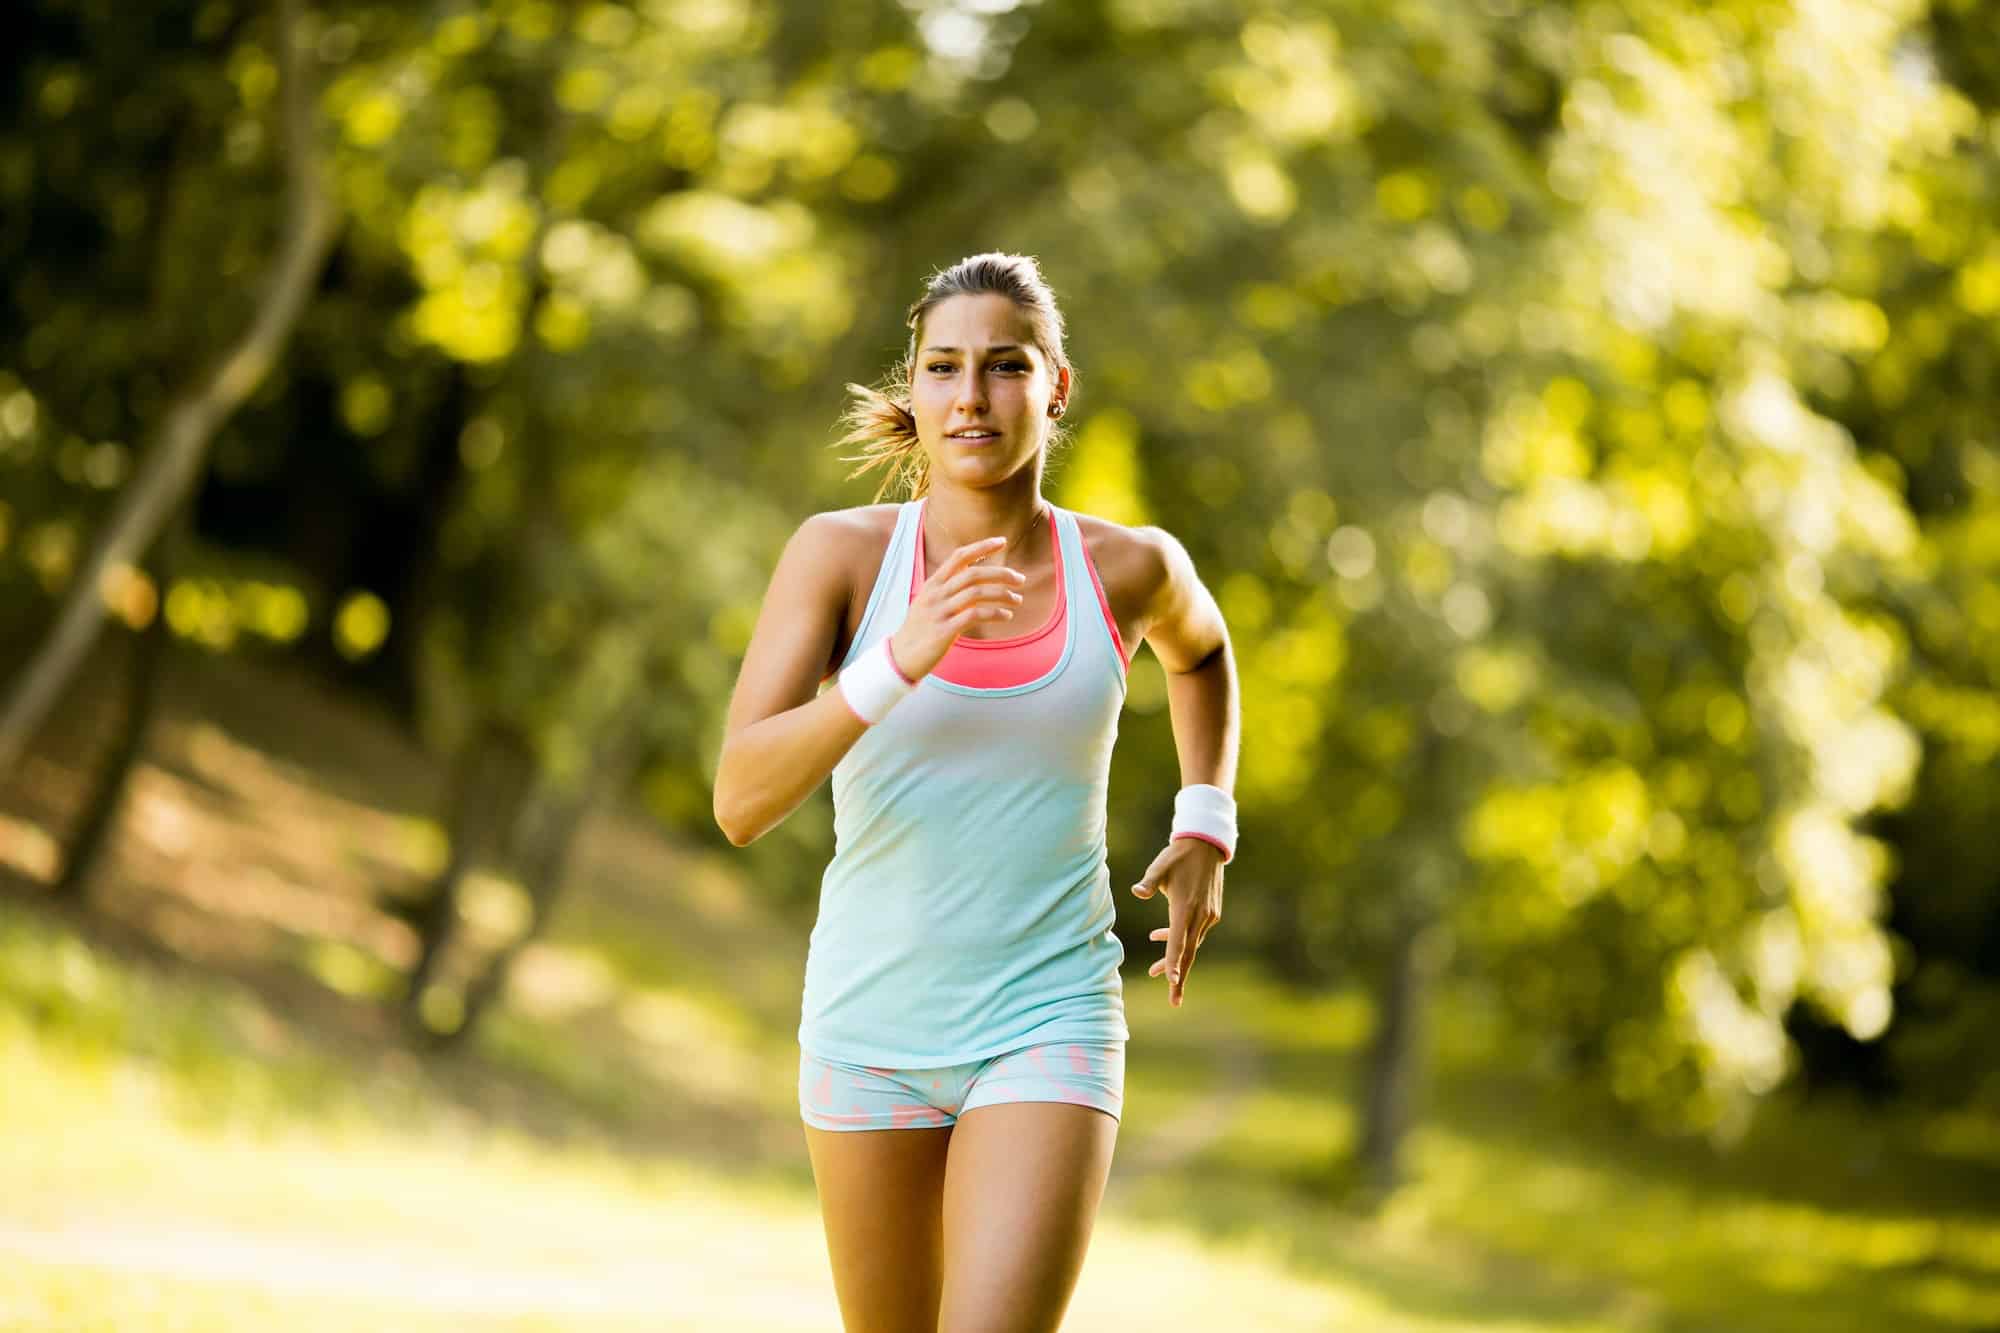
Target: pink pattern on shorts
(911,1113)
(880,1098)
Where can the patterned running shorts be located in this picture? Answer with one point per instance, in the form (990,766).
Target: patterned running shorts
(842,1096)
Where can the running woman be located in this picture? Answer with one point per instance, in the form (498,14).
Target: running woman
(962,1034)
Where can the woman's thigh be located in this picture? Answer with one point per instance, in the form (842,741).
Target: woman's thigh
(881,1196)
(1026,1171)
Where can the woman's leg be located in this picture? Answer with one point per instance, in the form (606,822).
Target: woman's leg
(880,1196)
(1022,1185)
(1029,1158)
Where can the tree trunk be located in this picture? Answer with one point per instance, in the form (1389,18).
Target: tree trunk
(143,694)
(548,845)
(549,836)
(1416,950)
(174,458)
(100,816)
(494,775)
(1395,1055)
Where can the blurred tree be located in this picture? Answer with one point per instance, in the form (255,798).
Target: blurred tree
(172,465)
(1916,386)
(496,158)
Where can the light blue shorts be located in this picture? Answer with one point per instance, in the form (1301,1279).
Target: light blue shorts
(842,1096)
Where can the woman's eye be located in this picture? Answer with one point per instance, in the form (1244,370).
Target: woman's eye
(1008,365)
(940,367)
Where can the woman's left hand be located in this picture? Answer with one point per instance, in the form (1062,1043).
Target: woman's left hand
(1189,872)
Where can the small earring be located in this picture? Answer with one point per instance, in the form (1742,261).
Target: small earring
(1055,409)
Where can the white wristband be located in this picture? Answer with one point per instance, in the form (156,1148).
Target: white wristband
(874,683)
(1209,813)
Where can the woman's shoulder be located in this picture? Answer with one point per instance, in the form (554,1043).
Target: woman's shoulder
(1109,532)
(845,546)
(853,530)
(1133,556)
(1134,565)
(866,516)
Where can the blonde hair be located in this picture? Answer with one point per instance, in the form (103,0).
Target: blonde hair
(880,421)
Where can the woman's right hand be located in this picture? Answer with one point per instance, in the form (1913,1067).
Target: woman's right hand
(960,592)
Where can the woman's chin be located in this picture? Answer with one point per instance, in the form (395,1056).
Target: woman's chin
(980,467)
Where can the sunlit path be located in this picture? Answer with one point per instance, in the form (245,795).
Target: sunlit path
(721,1286)
(713,1289)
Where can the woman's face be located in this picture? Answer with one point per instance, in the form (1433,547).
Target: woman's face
(981,389)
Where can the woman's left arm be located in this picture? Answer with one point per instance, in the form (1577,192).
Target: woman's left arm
(1186,629)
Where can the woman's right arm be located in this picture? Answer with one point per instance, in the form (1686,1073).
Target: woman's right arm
(780,741)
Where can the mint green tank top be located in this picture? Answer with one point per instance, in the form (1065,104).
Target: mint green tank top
(967,909)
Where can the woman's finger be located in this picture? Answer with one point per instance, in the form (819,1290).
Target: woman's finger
(1159,934)
(1183,964)
(964,556)
(981,575)
(971,576)
(973,593)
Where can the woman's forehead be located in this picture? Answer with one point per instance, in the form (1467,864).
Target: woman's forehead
(976,321)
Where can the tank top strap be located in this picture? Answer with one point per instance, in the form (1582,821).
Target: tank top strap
(889,599)
(1087,600)
(1072,559)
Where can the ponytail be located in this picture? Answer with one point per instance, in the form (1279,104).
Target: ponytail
(881,423)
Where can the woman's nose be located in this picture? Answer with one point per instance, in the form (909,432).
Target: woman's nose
(972,389)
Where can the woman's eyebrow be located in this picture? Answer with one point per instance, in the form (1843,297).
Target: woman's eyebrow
(1003,347)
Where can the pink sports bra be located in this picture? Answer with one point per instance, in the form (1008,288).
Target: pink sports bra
(988,664)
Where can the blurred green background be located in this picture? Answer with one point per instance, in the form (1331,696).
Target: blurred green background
(1584,413)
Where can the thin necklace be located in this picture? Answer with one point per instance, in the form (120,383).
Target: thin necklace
(1037,518)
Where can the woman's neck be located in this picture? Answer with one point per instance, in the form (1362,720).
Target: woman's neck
(954,518)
